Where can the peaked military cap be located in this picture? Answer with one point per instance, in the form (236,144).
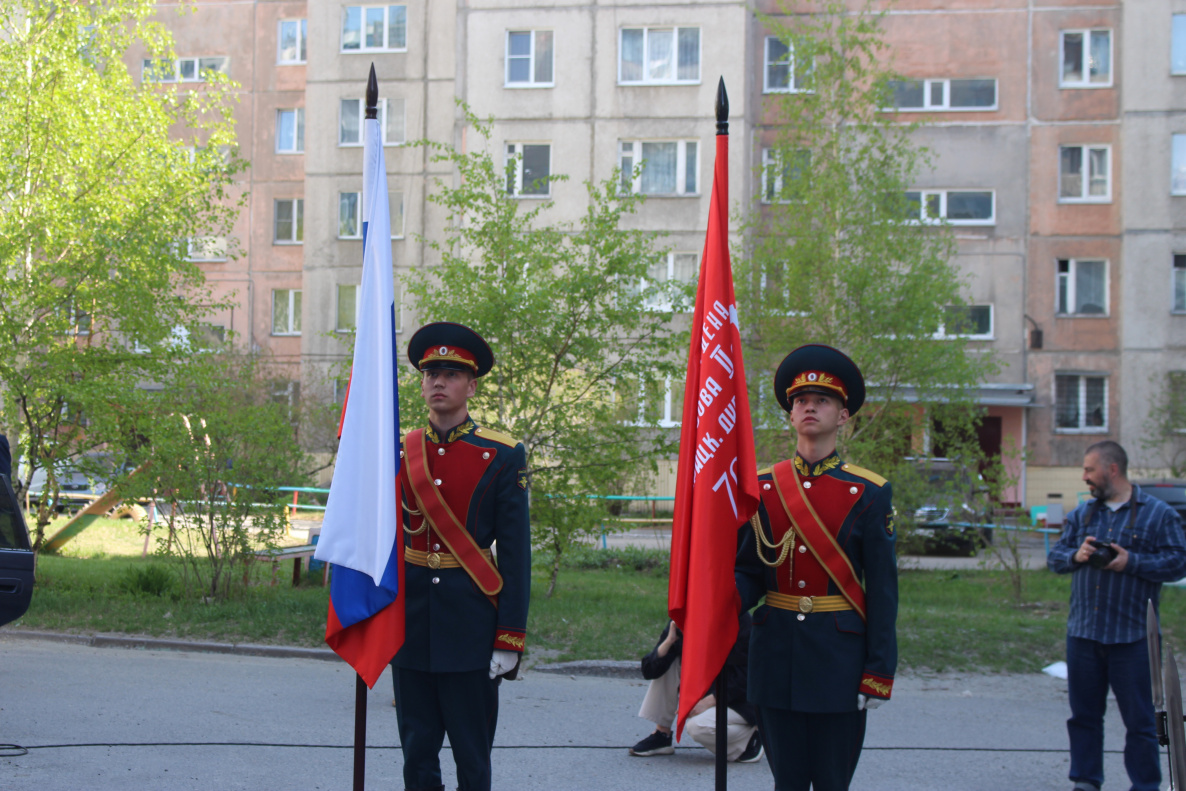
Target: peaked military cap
(454,347)
(816,368)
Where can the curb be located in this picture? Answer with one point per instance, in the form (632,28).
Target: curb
(161,644)
(604,668)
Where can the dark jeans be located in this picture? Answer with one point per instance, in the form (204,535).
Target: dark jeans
(429,705)
(811,751)
(1091,668)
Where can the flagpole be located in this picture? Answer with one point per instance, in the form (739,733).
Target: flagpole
(360,685)
(722,690)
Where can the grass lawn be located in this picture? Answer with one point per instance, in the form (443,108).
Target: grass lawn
(608,605)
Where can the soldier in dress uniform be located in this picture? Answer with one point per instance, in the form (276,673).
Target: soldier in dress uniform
(823,649)
(464,497)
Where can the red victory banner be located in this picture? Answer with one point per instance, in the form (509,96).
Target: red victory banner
(716,488)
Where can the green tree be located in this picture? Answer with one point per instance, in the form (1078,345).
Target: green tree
(100,199)
(1165,425)
(583,341)
(839,252)
(217,447)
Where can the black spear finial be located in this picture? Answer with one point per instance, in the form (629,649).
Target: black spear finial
(722,109)
(372,94)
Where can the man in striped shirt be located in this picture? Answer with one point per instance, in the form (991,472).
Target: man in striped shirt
(1106,626)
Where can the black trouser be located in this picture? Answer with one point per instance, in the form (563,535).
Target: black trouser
(816,751)
(429,705)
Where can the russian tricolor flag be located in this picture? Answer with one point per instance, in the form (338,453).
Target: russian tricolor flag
(360,535)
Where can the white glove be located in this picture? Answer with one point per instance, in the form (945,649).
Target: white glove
(502,662)
(866,703)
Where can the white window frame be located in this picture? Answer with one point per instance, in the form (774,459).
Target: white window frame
(928,106)
(1178,44)
(1070,280)
(1085,178)
(388,140)
(942,332)
(1085,65)
(338,325)
(681,181)
(357,234)
(646,38)
(298,130)
(661,304)
(1178,164)
(788,60)
(298,221)
(942,194)
(293,298)
(533,62)
(772,167)
(1178,283)
(200,64)
(395,203)
(514,158)
(362,45)
(302,46)
(196,248)
(1082,387)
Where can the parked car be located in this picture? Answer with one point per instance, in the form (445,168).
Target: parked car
(1170,490)
(953,516)
(80,483)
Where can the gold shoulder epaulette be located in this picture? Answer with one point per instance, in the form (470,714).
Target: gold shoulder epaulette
(765,471)
(496,436)
(861,472)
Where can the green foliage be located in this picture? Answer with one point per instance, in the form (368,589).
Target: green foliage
(216,451)
(1165,426)
(630,558)
(578,350)
(153,580)
(97,199)
(836,257)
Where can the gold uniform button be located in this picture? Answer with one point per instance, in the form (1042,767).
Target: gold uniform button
(806,604)
(434,562)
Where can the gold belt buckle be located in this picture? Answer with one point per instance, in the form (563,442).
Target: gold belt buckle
(434,561)
(806,604)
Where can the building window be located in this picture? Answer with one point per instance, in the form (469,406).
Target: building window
(1080,403)
(957,207)
(1177,401)
(529,59)
(184,69)
(937,95)
(286,311)
(1178,47)
(783,72)
(77,320)
(967,321)
(293,37)
(1086,59)
(782,174)
(528,167)
(1179,283)
(289,227)
(347,312)
(681,268)
(381,28)
(349,222)
(1178,166)
(1082,287)
(352,112)
(341,386)
(395,201)
(290,131)
(659,56)
(669,167)
(206,248)
(1084,174)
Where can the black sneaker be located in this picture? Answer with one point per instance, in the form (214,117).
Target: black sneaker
(752,751)
(658,743)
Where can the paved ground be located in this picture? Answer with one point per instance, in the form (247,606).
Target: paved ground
(101,718)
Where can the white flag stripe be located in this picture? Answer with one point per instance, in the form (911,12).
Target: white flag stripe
(360,524)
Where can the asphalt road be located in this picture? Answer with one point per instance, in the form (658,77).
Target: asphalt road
(115,718)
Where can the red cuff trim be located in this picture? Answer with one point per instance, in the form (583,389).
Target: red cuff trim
(876,686)
(508,640)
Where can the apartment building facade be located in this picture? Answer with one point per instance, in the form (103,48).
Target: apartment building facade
(1029,108)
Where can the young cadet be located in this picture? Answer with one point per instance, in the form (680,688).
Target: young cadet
(823,649)
(464,497)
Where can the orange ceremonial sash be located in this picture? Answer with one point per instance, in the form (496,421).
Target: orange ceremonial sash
(446,524)
(816,535)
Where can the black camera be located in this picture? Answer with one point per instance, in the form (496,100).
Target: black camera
(1103,555)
